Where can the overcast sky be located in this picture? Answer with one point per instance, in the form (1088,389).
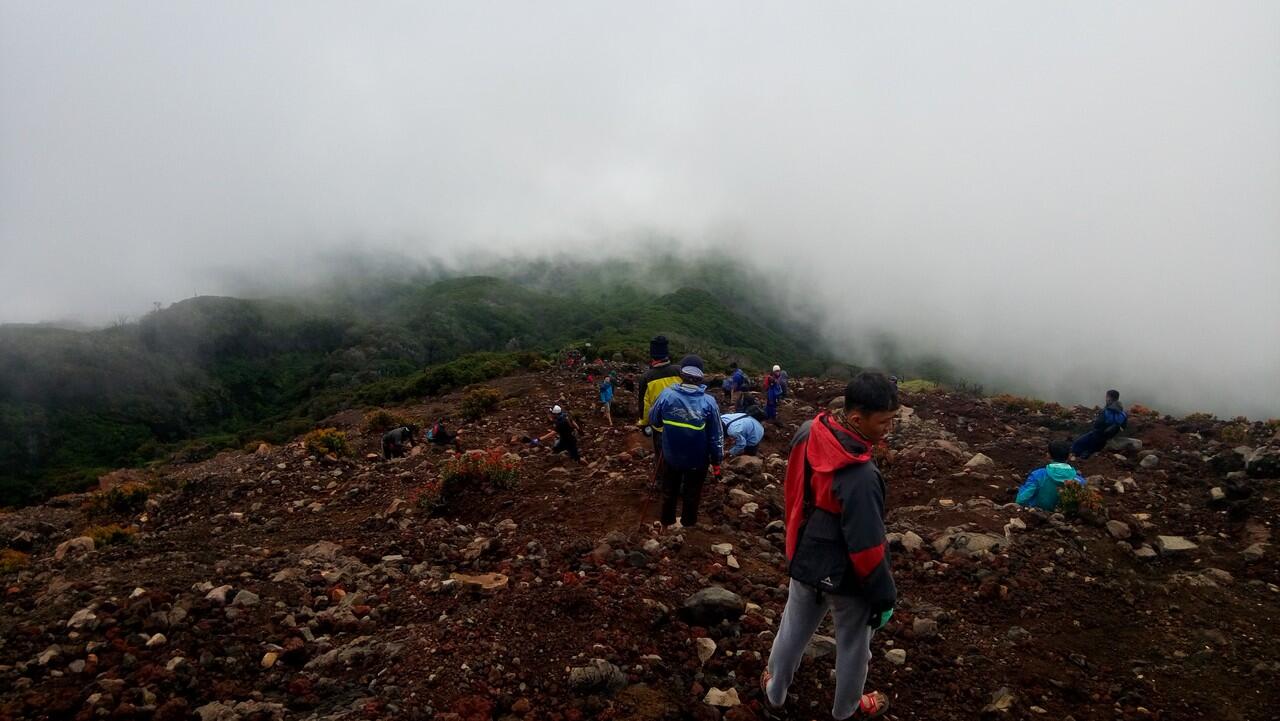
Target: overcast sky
(1070,194)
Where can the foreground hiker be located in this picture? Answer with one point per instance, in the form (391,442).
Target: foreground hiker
(745,430)
(660,376)
(565,432)
(397,441)
(1108,423)
(838,557)
(692,442)
(1041,488)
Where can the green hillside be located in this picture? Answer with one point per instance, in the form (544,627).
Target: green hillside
(213,372)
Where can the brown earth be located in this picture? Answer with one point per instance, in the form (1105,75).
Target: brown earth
(356,615)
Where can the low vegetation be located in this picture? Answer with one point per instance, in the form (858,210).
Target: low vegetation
(111,534)
(381,420)
(479,402)
(13,560)
(327,442)
(127,497)
(1080,501)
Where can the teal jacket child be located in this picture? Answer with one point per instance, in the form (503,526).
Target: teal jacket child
(1040,490)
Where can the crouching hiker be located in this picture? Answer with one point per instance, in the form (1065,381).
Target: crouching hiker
(1040,490)
(397,441)
(692,441)
(565,432)
(1108,423)
(836,549)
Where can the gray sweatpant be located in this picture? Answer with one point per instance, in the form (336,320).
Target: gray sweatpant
(800,619)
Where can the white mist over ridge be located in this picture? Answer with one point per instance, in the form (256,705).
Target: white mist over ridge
(1061,199)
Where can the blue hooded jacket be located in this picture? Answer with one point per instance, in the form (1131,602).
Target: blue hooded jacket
(744,430)
(690,423)
(1040,490)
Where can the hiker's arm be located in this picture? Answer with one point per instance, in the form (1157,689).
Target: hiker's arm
(1028,490)
(716,434)
(655,414)
(862,522)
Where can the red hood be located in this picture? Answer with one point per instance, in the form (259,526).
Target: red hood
(829,447)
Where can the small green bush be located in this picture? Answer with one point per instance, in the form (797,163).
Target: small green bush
(111,534)
(479,402)
(1076,500)
(381,420)
(11,560)
(124,498)
(918,385)
(327,441)
(1237,433)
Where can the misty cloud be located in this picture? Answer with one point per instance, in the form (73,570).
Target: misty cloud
(1062,198)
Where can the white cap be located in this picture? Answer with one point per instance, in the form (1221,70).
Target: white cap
(777,368)
(556,410)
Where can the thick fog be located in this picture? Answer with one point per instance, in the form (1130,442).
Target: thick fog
(1062,197)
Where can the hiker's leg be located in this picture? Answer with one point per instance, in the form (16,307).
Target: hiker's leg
(751,451)
(853,652)
(572,448)
(800,619)
(670,494)
(692,493)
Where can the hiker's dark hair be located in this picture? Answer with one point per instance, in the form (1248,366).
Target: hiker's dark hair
(733,366)
(1060,450)
(1113,394)
(870,392)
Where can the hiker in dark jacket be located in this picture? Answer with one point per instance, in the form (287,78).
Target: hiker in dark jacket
(565,431)
(660,376)
(1108,423)
(836,548)
(397,441)
(692,442)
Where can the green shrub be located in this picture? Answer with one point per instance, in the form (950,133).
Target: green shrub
(11,560)
(918,385)
(493,466)
(1018,403)
(1077,500)
(124,498)
(1237,433)
(381,420)
(479,402)
(111,534)
(327,441)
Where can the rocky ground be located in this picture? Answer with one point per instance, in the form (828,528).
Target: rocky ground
(277,584)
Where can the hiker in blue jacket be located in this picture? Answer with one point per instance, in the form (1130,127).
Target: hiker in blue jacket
(692,442)
(1108,423)
(745,430)
(1041,488)
(736,383)
(607,388)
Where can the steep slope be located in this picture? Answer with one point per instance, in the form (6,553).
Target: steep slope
(279,584)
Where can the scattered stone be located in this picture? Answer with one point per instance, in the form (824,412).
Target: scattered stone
(1254,553)
(706,649)
(481,581)
(912,541)
(732,562)
(599,675)
(652,546)
(896,656)
(80,546)
(47,656)
(979,460)
(1264,462)
(1145,552)
(712,605)
(747,464)
(1217,495)
(820,646)
(82,618)
(723,549)
(1122,445)
(1170,545)
(1001,701)
(1150,461)
(723,699)
(924,628)
(245,598)
(1219,576)
(269,659)
(1119,530)
(219,594)
(157,640)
